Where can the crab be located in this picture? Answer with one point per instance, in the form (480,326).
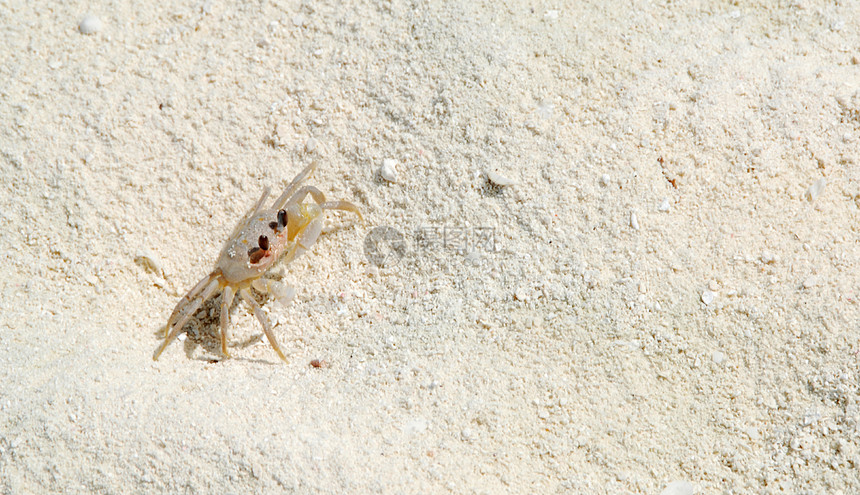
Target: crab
(287,229)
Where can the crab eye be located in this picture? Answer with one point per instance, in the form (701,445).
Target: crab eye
(255,255)
(264,243)
(282,218)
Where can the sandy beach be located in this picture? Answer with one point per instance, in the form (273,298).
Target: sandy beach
(609,247)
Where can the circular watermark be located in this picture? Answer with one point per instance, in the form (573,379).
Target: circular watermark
(384,246)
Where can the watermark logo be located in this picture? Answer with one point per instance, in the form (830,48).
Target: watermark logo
(386,246)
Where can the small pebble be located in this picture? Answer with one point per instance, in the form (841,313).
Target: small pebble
(521,294)
(389,170)
(604,180)
(810,282)
(665,205)
(90,24)
(718,357)
(678,488)
(768,257)
(416,426)
(310,145)
(499,180)
(467,434)
(752,432)
(708,297)
(816,189)
(634,220)
(149,262)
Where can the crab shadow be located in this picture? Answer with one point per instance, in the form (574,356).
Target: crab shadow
(203,331)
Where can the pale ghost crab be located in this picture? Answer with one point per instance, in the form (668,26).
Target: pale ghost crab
(287,229)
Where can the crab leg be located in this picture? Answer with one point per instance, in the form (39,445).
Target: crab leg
(207,293)
(291,188)
(189,297)
(258,312)
(342,205)
(226,301)
(291,253)
(300,195)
